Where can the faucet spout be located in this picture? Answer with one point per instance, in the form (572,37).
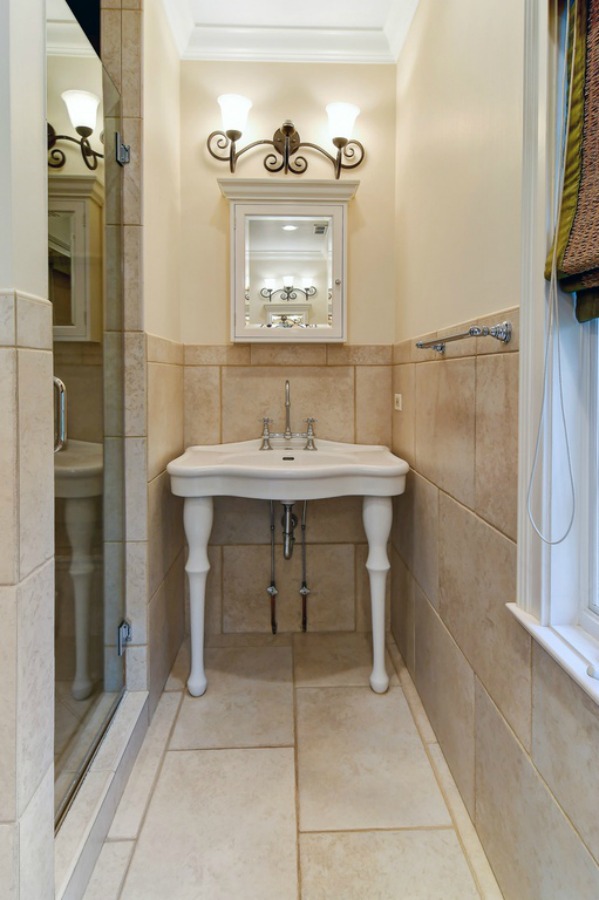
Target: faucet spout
(288,433)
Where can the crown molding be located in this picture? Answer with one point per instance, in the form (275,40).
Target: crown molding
(67,39)
(280,190)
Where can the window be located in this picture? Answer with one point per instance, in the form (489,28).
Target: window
(558,573)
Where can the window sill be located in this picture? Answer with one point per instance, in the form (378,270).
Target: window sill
(571,647)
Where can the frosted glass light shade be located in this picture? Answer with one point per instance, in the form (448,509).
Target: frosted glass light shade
(270,284)
(342,118)
(82,107)
(234,110)
(287,281)
(307,283)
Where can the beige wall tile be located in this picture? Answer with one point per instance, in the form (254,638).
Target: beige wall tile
(497,441)
(110,24)
(36,463)
(8,707)
(9,546)
(132,275)
(112,375)
(445,683)
(402,610)
(202,416)
(166,625)
(85,399)
(359,355)
(35,682)
(8,326)
(477,576)
(288,354)
(531,845)
(136,488)
(113,268)
(136,586)
(165,530)
(135,384)
(565,736)
(165,416)
(114,485)
(9,860)
(404,421)
(338,519)
(34,322)
(131,25)
(445,426)
(425,525)
(161,350)
(238,520)
(325,394)
(373,405)
(246,576)
(136,668)
(402,530)
(457,349)
(217,355)
(132,135)
(36,842)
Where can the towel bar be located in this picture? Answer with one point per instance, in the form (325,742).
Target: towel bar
(501,332)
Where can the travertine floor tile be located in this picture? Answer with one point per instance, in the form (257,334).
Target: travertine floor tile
(361,763)
(109,873)
(221,824)
(333,660)
(388,865)
(249,701)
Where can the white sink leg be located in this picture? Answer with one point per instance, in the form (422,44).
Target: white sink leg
(377,515)
(80,521)
(197,520)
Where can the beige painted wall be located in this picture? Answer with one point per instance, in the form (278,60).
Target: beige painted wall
(300,92)
(161,175)
(459,125)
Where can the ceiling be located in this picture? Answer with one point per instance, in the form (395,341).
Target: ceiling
(311,31)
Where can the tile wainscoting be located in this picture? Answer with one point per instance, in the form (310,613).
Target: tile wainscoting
(490,696)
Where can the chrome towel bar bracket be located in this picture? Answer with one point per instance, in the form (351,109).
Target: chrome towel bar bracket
(502,332)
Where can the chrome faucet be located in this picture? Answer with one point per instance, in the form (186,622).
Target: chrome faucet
(288,434)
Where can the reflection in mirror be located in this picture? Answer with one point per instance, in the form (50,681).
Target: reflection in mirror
(84,248)
(288,271)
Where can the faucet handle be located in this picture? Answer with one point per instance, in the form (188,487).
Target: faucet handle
(310,434)
(266,433)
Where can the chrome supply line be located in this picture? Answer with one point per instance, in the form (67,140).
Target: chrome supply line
(501,332)
(304,590)
(272,589)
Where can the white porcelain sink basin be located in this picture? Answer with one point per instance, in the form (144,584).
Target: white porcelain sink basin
(78,470)
(287,472)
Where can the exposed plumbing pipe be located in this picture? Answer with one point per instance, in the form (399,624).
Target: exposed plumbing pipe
(304,590)
(289,521)
(272,589)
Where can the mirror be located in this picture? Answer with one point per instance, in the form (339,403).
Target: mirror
(288,260)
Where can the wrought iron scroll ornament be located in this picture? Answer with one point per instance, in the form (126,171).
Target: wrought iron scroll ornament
(287,293)
(286,143)
(57,157)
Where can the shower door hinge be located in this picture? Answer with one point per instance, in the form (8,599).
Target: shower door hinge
(122,151)
(124,635)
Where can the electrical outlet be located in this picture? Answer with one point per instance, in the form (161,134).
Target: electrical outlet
(398,402)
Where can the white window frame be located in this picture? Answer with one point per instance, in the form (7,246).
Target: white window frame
(554,582)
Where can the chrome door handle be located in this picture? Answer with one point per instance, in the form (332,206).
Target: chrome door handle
(60,414)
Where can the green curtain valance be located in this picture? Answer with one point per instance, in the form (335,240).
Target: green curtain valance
(577,236)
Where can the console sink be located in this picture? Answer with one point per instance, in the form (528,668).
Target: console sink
(78,470)
(287,472)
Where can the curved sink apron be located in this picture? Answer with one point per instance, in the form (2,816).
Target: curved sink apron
(78,479)
(287,473)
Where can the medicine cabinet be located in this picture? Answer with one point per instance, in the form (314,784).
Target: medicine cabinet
(75,256)
(288,259)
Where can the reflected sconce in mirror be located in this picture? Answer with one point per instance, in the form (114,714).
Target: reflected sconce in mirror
(82,107)
(286,142)
(288,291)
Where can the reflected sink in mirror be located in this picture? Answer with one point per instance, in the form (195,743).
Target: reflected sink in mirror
(78,470)
(288,472)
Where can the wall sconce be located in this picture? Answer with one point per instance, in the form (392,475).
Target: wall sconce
(286,141)
(288,291)
(82,107)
